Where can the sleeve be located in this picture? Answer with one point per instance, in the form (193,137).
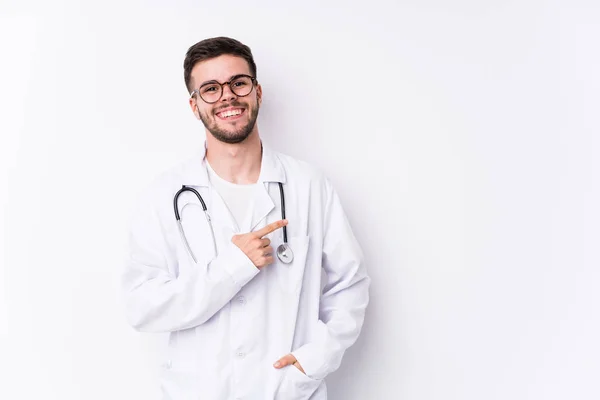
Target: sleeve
(345,295)
(158,301)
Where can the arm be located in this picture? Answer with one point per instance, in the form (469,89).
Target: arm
(158,301)
(345,295)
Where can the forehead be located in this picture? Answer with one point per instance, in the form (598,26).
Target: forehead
(219,68)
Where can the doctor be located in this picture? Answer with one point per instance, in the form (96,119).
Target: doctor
(240,322)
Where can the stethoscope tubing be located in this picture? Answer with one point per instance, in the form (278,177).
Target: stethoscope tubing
(282,210)
(184,188)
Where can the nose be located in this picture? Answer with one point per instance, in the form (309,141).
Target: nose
(228,94)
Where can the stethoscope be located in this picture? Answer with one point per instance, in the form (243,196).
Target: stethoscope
(284,251)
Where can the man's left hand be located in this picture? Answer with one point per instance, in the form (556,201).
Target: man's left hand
(288,360)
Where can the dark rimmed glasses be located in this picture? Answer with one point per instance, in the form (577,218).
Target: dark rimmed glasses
(211,92)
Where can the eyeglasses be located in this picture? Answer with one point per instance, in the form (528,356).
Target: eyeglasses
(211,92)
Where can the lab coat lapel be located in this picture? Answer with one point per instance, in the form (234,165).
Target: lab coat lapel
(271,172)
(263,204)
(195,174)
(220,213)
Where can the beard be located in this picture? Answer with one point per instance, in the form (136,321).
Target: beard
(234,134)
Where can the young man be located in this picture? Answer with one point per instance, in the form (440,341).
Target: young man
(231,267)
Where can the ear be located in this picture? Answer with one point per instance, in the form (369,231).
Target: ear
(259,93)
(194,107)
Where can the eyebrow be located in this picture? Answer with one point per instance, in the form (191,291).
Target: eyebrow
(215,81)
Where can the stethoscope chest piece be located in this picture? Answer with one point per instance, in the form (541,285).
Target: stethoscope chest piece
(285,253)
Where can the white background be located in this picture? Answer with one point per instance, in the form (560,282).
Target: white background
(462,137)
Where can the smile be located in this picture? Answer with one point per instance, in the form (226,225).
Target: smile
(230,114)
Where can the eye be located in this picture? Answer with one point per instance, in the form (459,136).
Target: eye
(239,83)
(210,88)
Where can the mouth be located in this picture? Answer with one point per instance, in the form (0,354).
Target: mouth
(230,114)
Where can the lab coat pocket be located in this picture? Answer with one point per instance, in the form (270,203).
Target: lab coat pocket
(289,276)
(182,371)
(176,383)
(295,385)
(184,381)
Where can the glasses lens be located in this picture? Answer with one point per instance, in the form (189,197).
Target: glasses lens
(241,86)
(210,92)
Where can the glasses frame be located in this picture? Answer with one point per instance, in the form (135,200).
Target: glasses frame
(197,91)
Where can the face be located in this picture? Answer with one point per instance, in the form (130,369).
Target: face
(232,118)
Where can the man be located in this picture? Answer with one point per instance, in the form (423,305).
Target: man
(243,321)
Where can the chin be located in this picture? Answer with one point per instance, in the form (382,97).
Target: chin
(229,137)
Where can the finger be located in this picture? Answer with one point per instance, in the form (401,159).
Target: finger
(297,365)
(285,361)
(265,242)
(267,251)
(264,261)
(271,227)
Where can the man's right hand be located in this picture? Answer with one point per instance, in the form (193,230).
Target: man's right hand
(255,247)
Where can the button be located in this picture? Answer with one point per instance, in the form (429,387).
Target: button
(168,364)
(240,354)
(241,300)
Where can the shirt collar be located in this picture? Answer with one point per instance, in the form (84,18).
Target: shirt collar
(195,173)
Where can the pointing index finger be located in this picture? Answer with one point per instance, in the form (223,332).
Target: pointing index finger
(271,227)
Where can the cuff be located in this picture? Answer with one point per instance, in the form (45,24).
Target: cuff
(237,265)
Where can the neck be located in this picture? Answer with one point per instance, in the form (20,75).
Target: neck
(237,163)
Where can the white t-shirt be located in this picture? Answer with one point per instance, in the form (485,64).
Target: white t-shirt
(238,198)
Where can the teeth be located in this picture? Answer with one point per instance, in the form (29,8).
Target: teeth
(231,113)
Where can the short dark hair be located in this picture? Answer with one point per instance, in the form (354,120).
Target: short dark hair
(211,48)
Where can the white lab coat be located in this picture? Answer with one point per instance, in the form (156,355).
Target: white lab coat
(226,321)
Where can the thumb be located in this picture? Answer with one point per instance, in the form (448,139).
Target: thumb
(285,361)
